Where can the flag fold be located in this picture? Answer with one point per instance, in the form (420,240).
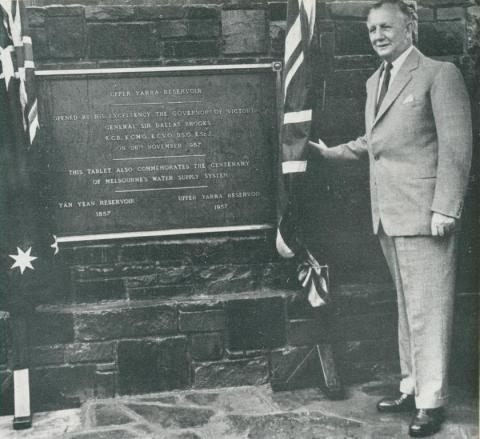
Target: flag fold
(294,135)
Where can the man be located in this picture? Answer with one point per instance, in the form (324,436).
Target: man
(418,141)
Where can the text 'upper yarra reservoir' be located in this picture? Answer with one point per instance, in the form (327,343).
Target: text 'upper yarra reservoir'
(155,153)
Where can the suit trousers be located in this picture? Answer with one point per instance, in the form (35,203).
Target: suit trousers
(423,270)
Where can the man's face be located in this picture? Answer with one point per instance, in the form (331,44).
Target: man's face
(389,31)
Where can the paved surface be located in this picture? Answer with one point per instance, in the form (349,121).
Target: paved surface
(242,412)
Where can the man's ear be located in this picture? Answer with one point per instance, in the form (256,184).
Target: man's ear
(409,28)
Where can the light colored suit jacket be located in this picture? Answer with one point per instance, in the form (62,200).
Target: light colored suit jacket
(419,146)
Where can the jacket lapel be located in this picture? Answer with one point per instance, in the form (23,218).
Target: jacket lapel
(372,93)
(400,81)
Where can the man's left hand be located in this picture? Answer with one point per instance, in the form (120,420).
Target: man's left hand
(442,225)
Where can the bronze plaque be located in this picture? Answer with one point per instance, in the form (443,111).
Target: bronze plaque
(170,151)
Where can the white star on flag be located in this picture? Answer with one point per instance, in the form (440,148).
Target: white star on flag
(23,260)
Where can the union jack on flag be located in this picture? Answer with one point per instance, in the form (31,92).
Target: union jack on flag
(295,132)
(16,57)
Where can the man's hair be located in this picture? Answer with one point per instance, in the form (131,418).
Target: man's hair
(405,9)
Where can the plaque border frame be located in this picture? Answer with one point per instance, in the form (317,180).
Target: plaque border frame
(275,66)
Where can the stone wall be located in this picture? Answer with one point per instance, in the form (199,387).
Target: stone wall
(136,316)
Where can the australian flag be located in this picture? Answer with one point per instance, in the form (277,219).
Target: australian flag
(26,247)
(295,132)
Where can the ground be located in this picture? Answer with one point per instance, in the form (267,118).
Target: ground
(243,412)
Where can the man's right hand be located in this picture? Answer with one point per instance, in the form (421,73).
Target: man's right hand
(320,147)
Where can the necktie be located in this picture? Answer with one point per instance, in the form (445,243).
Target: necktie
(385,82)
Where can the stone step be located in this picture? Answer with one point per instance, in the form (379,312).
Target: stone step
(156,279)
(110,320)
(80,351)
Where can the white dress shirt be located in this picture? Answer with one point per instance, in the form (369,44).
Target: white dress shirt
(395,68)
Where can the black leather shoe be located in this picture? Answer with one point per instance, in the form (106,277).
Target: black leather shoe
(404,403)
(426,422)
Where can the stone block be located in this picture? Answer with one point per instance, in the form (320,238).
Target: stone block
(90,272)
(364,327)
(279,275)
(255,323)
(179,275)
(277,11)
(108,414)
(308,332)
(286,371)
(442,38)
(170,29)
(144,281)
(342,115)
(425,14)
(122,40)
(201,250)
(107,367)
(227,278)
(65,11)
(39,42)
(348,84)
(61,386)
(106,323)
(159,12)
(298,307)
(356,9)
(203,304)
(207,347)
(110,433)
(90,352)
(152,251)
(109,13)
(6,393)
(439,3)
(244,4)
(93,254)
(203,28)
(250,372)
(237,355)
(244,249)
(36,16)
(464,356)
(352,373)
(96,290)
(473,27)
(357,298)
(244,31)
(187,49)
(351,38)
(165,417)
(202,12)
(360,62)
(66,36)
(4,316)
(153,365)
(277,37)
(367,351)
(201,321)
(158,292)
(45,355)
(105,388)
(136,269)
(326,52)
(50,327)
(450,13)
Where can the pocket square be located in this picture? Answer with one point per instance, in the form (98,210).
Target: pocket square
(408,99)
